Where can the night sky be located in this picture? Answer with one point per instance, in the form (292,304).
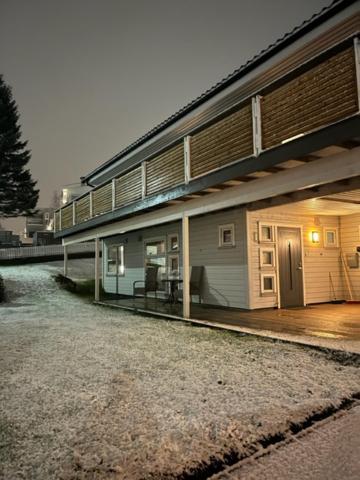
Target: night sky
(90,77)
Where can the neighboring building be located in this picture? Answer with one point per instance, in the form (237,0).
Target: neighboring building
(71,192)
(45,238)
(9,239)
(257,181)
(40,222)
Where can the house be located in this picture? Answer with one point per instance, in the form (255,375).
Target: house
(257,181)
(9,239)
(41,221)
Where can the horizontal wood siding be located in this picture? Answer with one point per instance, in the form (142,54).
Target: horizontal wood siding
(128,188)
(102,199)
(350,240)
(321,96)
(67,217)
(225,281)
(57,221)
(223,142)
(166,170)
(82,209)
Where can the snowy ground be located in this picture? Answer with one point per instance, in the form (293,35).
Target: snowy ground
(94,393)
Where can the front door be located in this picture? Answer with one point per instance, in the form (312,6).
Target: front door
(290,267)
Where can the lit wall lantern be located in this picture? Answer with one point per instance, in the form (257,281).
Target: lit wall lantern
(315,237)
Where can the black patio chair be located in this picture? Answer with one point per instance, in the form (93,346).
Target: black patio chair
(197,273)
(150,284)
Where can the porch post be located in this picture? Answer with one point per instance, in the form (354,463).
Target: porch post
(186,266)
(65,260)
(97,270)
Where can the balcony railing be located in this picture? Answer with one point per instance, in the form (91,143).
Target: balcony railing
(318,96)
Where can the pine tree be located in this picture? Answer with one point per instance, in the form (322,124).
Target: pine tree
(18,195)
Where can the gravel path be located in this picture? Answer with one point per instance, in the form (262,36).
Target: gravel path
(94,393)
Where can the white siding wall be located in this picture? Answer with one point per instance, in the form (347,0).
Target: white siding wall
(350,239)
(225,279)
(318,260)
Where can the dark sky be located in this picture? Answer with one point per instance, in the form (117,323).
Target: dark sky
(92,76)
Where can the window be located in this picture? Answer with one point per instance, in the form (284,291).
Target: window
(331,237)
(173,240)
(268,283)
(226,235)
(115,260)
(155,248)
(267,257)
(266,233)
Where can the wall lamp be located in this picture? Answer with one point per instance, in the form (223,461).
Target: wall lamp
(315,237)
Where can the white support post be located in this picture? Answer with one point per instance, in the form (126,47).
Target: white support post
(113,194)
(91,204)
(186,266)
(65,260)
(74,213)
(256,121)
(187,140)
(143,179)
(97,269)
(60,219)
(357,67)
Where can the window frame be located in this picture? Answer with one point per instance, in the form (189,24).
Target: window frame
(272,231)
(272,251)
(221,229)
(264,291)
(119,247)
(170,237)
(335,231)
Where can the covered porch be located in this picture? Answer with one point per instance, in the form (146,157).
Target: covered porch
(329,320)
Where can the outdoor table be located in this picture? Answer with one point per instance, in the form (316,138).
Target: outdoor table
(174,286)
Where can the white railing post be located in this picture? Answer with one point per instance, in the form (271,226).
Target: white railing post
(74,213)
(97,269)
(60,219)
(187,159)
(143,179)
(256,121)
(186,266)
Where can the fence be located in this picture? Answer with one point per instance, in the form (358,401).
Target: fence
(44,251)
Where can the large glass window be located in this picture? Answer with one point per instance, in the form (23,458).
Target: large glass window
(115,260)
(155,255)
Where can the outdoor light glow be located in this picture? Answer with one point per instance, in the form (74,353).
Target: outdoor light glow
(315,237)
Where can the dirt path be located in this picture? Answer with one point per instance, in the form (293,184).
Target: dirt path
(92,393)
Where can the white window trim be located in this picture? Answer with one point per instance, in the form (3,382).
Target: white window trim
(170,257)
(262,289)
(221,228)
(120,248)
(267,249)
(272,229)
(170,236)
(331,245)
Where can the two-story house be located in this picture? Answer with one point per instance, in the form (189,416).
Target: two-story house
(256,181)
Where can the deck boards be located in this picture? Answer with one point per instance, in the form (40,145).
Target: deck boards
(340,321)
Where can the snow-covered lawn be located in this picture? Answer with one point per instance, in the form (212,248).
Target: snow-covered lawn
(94,393)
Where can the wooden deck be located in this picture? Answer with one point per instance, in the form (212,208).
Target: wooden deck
(333,321)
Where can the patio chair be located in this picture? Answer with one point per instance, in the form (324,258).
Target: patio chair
(196,277)
(150,284)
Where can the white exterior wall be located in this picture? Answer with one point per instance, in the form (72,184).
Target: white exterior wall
(350,239)
(318,262)
(225,281)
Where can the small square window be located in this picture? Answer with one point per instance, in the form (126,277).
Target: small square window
(173,265)
(268,283)
(266,233)
(226,235)
(330,237)
(267,257)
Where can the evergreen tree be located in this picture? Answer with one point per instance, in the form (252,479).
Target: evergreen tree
(18,195)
